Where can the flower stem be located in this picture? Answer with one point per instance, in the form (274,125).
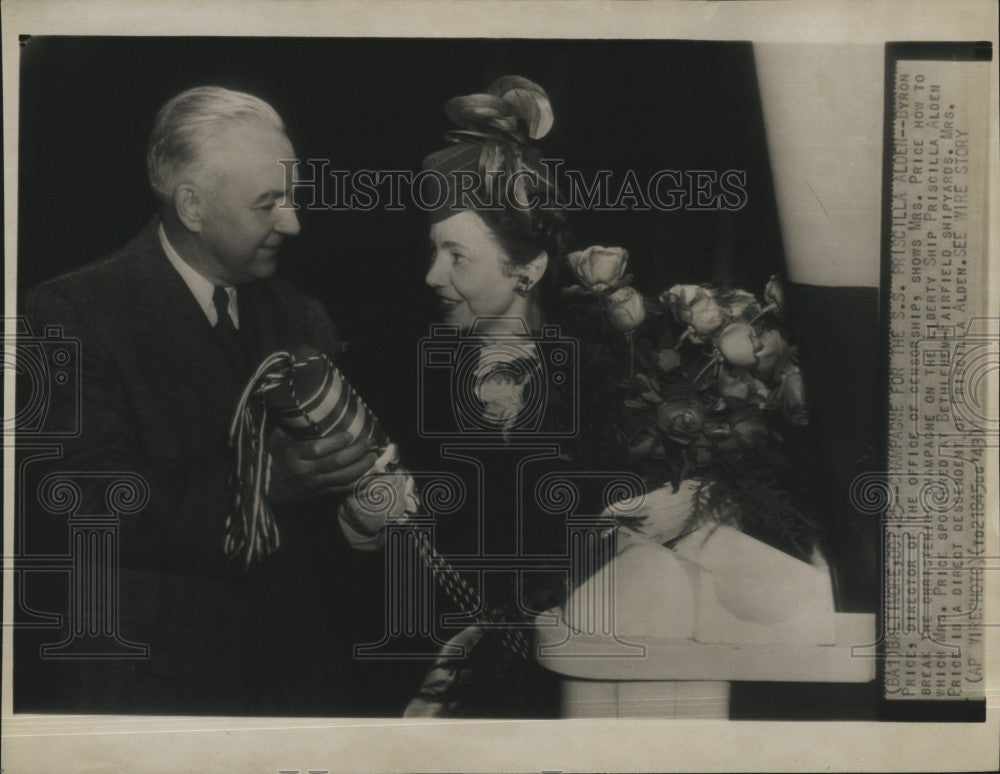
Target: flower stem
(683,338)
(765,310)
(709,364)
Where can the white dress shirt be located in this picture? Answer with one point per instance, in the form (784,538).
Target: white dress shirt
(200,287)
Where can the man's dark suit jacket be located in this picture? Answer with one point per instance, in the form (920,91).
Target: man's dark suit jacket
(158,397)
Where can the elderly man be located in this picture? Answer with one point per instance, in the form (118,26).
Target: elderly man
(171,326)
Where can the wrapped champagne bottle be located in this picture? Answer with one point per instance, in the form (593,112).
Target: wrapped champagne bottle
(312,399)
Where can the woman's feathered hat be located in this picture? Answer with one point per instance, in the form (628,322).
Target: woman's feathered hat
(493,143)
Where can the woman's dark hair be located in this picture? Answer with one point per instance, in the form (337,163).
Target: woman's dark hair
(523,234)
(495,145)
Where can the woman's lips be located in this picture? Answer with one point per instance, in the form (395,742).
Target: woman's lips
(448,303)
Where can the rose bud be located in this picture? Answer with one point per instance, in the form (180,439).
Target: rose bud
(750,431)
(739,303)
(667,360)
(742,385)
(706,316)
(681,419)
(598,268)
(737,343)
(771,349)
(678,299)
(731,385)
(626,309)
(774,294)
(795,408)
(791,396)
(697,307)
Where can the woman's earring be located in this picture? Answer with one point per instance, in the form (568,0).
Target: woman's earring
(523,286)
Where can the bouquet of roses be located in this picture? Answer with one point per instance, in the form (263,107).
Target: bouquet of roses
(696,386)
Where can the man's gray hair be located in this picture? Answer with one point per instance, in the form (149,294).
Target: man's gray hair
(188,121)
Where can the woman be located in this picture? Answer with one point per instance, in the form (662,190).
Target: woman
(496,232)
(497,244)
(708,438)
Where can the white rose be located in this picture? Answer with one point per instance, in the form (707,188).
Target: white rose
(737,343)
(771,350)
(696,306)
(742,385)
(774,293)
(740,303)
(626,309)
(791,395)
(502,394)
(598,268)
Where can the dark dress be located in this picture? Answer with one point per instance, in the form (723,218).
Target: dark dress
(504,422)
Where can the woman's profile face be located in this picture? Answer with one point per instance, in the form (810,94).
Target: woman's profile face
(469,271)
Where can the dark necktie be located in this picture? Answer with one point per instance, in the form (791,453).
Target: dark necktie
(226,330)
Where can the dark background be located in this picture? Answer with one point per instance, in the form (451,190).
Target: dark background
(87,106)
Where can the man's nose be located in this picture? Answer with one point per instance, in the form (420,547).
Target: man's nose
(287,222)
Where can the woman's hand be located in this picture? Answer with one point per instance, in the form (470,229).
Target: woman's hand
(319,466)
(663,514)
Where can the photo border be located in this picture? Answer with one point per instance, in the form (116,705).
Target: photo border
(47,743)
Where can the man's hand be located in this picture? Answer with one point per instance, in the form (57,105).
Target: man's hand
(320,466)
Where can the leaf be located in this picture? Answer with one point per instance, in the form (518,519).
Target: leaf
(643,447)
(646,381)
(735,404)
(677,389)
(642,345)
(634,384)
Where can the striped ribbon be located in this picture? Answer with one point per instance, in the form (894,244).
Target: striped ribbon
(469,601)
(251,530)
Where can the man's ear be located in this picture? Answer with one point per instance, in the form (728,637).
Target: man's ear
(188,204)
(534,270)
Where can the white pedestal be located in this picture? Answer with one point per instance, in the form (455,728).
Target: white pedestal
(661,633)
(684,678)
(645,699)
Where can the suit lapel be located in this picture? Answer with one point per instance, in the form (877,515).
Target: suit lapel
(173,328)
